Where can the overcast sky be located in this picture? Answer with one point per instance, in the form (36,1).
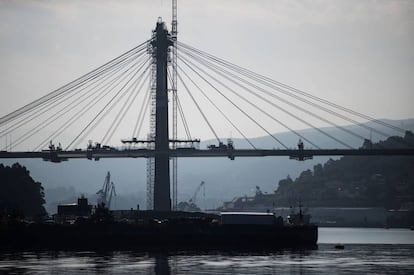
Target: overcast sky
(359,54)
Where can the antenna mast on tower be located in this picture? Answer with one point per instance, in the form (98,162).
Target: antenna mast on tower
(174,102)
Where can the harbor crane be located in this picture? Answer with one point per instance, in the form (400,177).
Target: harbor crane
(191,205)
(194,197)
(258,191)
(108,190)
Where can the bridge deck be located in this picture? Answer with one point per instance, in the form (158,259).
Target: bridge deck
(57,156)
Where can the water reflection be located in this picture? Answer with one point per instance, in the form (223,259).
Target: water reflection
(357,258)
(102,261)
(354,259)
(161,265)
(231,262)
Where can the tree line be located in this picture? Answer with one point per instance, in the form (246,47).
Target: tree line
(20,195)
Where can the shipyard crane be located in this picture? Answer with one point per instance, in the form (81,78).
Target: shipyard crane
(111,193)
(258,191)
(194,197)
(191,205)
(108,190)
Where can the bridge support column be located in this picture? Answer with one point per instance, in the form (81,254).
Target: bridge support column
(161,43)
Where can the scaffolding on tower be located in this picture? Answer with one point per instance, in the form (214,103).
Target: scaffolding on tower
(151,135)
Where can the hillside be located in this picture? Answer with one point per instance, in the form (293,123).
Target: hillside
(351,181)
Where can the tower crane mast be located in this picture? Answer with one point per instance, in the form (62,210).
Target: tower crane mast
(174,32)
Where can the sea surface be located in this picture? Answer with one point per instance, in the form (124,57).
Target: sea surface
(366,251)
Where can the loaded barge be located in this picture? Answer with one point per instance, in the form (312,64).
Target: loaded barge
(170,230)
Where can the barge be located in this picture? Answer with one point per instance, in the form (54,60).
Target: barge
(186,231)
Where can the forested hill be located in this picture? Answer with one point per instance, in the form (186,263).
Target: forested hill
(386,181)
(20,194)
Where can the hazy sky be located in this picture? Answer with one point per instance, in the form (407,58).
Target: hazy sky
(356,53)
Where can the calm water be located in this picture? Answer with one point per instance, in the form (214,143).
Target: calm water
(374,251)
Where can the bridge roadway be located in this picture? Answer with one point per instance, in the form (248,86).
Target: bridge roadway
(96,154)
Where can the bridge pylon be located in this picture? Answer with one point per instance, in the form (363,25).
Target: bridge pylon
(160,45)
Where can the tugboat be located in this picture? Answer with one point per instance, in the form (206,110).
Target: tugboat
(299,218)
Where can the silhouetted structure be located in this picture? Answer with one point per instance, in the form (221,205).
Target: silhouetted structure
(74,210)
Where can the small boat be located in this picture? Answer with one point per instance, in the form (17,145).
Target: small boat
(339,246)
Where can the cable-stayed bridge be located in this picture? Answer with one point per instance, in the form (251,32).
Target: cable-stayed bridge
(139,90)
